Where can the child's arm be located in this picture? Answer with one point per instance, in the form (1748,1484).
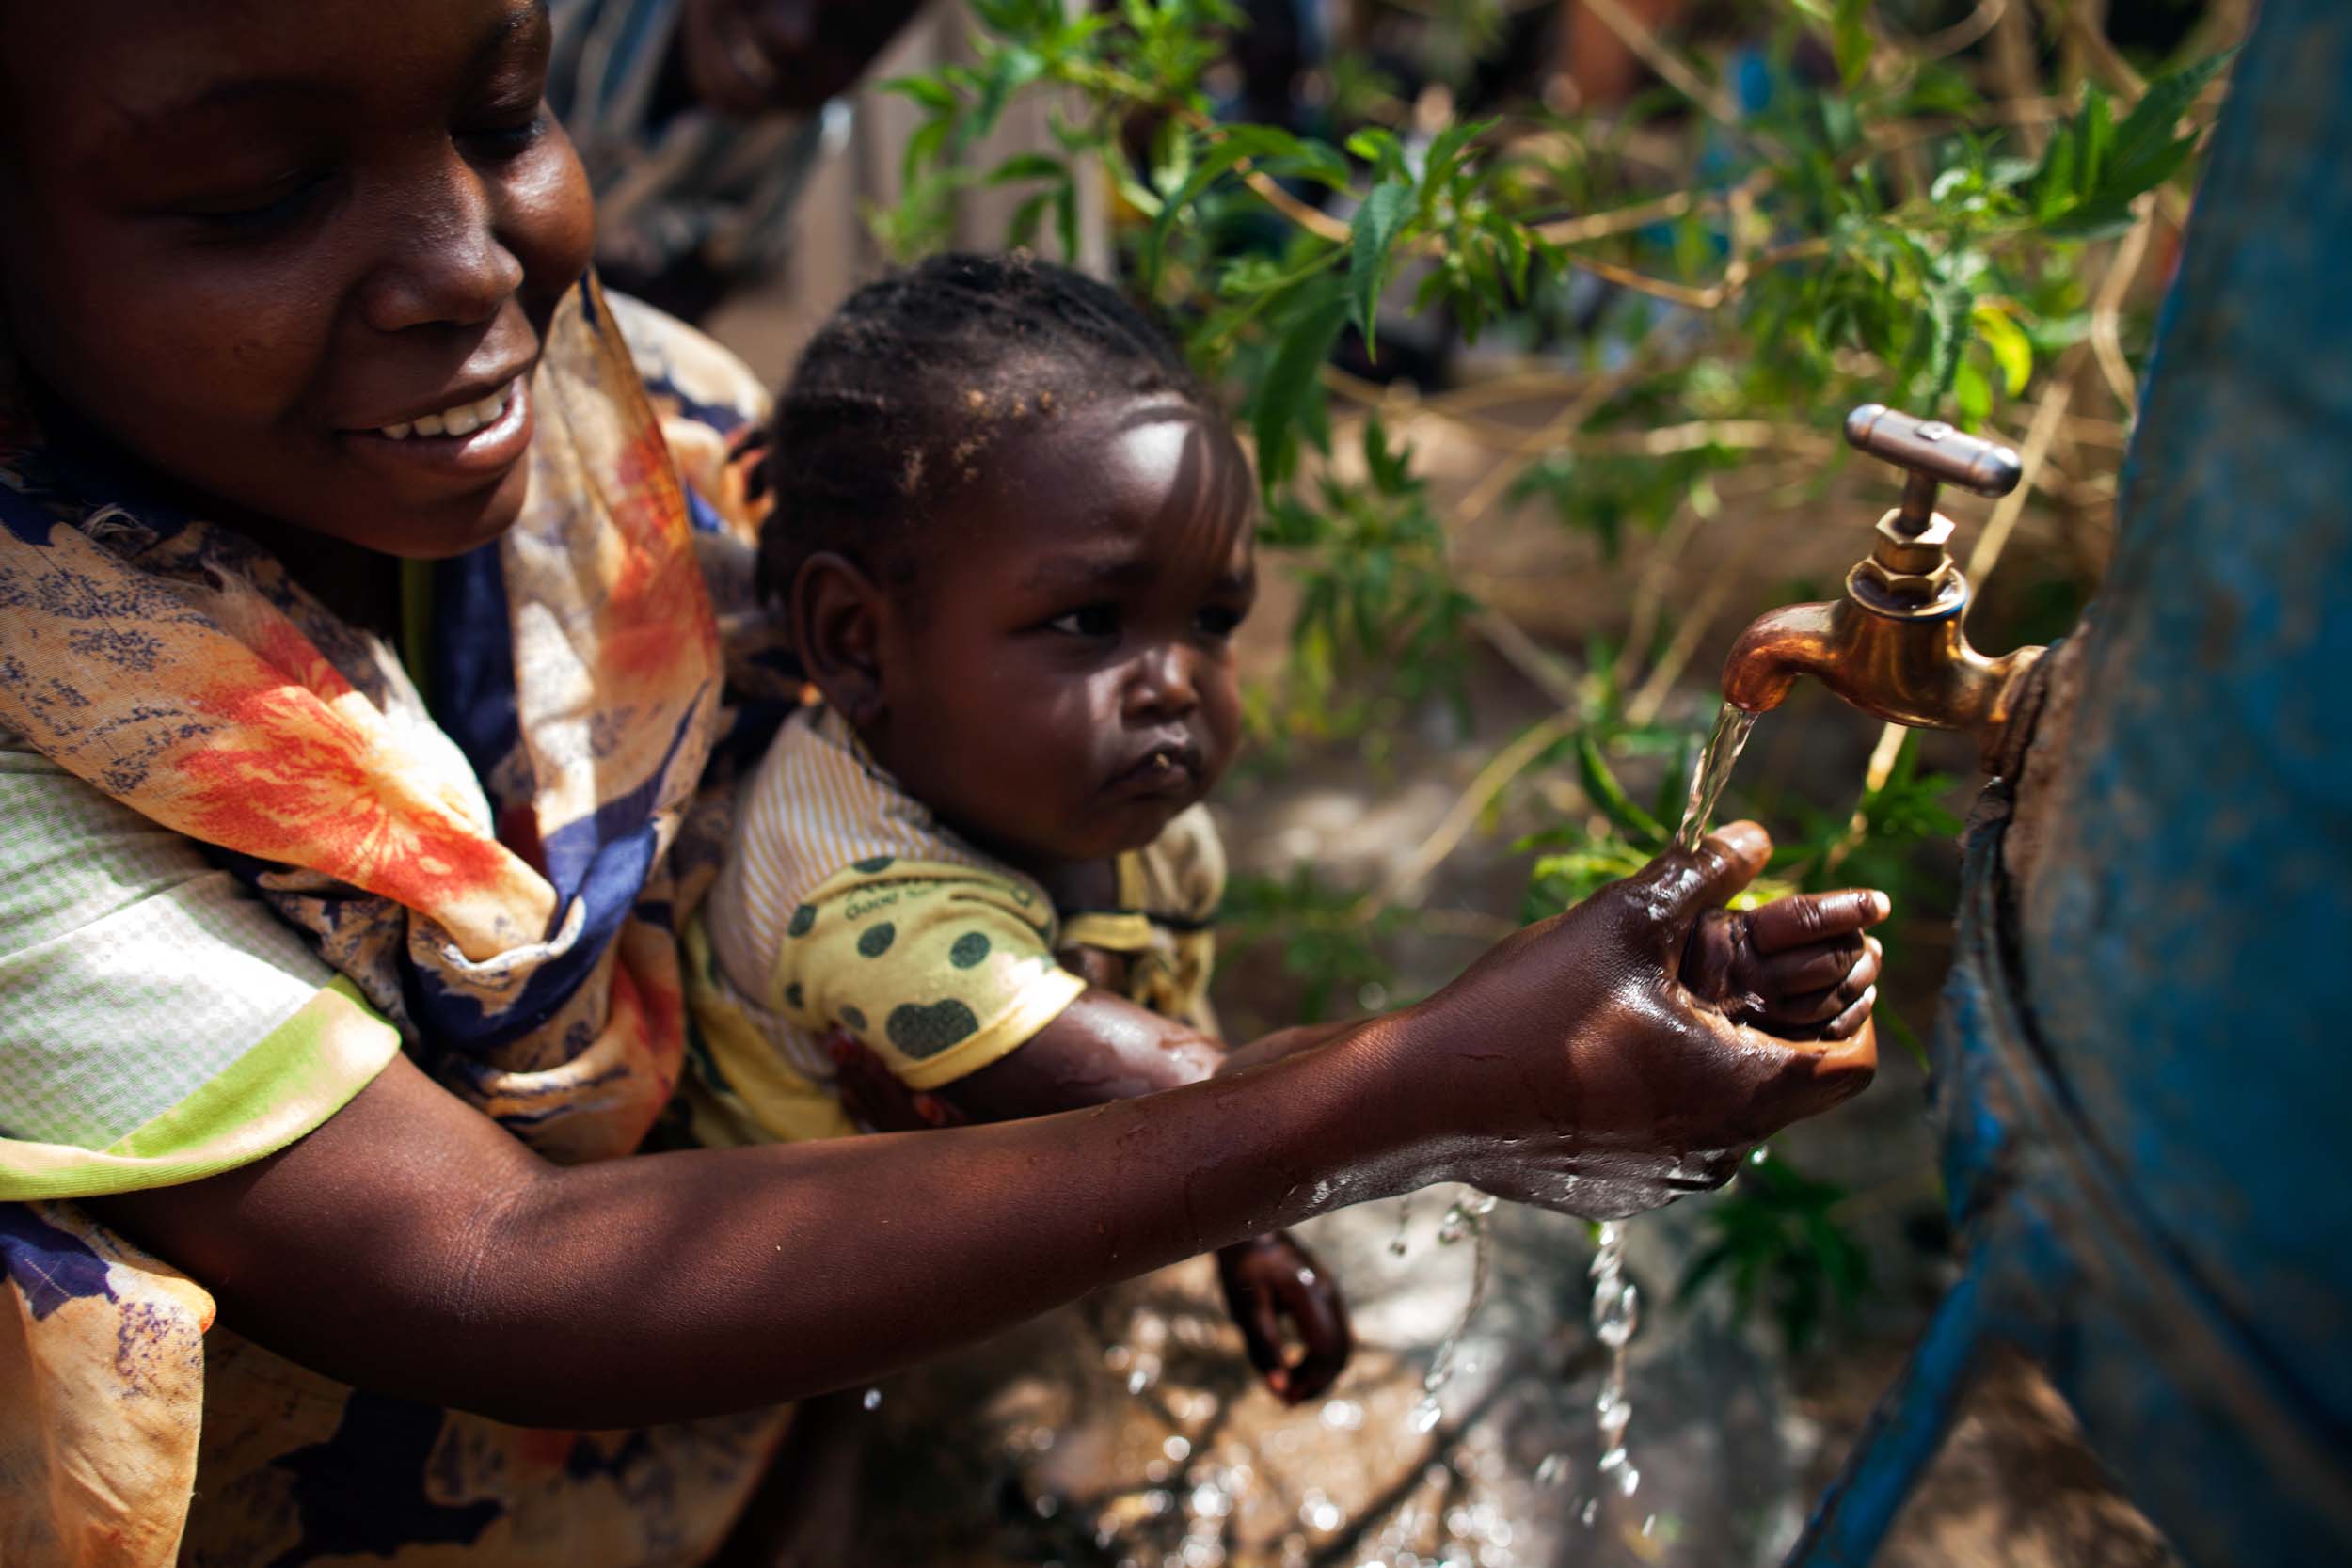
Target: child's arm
(1101,1047)
(1105,1047)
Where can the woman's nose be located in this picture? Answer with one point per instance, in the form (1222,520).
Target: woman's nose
(1163,682)
(445,262)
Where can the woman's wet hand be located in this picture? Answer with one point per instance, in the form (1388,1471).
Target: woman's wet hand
(1604,1062)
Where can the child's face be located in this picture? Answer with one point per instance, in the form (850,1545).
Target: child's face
(245,238)
(1062,683)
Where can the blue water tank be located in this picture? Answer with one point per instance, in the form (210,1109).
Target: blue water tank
(2145,1064)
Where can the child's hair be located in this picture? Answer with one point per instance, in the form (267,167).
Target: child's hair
(911,379)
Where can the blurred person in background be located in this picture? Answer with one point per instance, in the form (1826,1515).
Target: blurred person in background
(700,122)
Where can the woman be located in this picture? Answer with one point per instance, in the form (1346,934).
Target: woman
(329,1018)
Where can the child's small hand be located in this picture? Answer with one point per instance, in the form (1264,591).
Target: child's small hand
(1269,1279)
(1798,967)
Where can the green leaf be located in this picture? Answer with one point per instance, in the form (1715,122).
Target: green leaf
(1066,219)
(1373,236)
(1379,148)
(1172,149)
(1948,307)
(2054,182)
(1202,168)
(1448,148)
(1010,70)
(1515,255)
(929,91)
(1391,470)
(1279,153)
(1972,395)
(1028,165)
(923,149)
(1291,394)
(2098,134)
(1610,799)
(2147,132)
(1849,39)
(2011,350)
(1022,230)
(2113,165)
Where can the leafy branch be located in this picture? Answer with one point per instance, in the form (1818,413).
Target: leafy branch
(1709,284)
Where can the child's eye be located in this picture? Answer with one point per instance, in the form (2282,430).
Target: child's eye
(1094,619)
(1220,620)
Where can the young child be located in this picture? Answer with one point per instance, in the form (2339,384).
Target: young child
(1011,542)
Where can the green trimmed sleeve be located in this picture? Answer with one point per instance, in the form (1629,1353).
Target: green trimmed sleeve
(161,1024)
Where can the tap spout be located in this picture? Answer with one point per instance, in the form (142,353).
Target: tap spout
(1894,646)
(1909,665)
(1779,646)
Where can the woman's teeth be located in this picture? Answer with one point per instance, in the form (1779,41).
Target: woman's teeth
(464,419)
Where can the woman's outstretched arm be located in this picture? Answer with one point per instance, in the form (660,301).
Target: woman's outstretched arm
(411,1247)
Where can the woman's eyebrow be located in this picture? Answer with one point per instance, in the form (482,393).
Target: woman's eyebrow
(223,96)
(229,94)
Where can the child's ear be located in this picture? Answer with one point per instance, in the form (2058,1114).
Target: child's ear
(838,615)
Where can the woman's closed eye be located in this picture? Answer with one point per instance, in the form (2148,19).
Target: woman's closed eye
(1094,619)
(498,143)
(262,213)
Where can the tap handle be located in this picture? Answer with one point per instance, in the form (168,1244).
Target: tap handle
(1934,450)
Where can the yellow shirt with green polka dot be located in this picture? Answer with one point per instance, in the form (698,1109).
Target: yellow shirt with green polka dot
(846,904)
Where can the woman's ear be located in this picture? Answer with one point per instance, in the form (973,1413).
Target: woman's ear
(838,615)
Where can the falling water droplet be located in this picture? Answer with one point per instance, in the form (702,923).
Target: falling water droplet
(1470,1217)
(1616,1312)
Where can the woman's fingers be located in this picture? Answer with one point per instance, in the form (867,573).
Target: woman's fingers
(1809,917)
(1815,1075)
(1671,891)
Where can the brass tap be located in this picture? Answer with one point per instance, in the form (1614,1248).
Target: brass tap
(1894,645)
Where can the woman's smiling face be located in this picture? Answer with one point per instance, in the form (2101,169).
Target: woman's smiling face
(271,247)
